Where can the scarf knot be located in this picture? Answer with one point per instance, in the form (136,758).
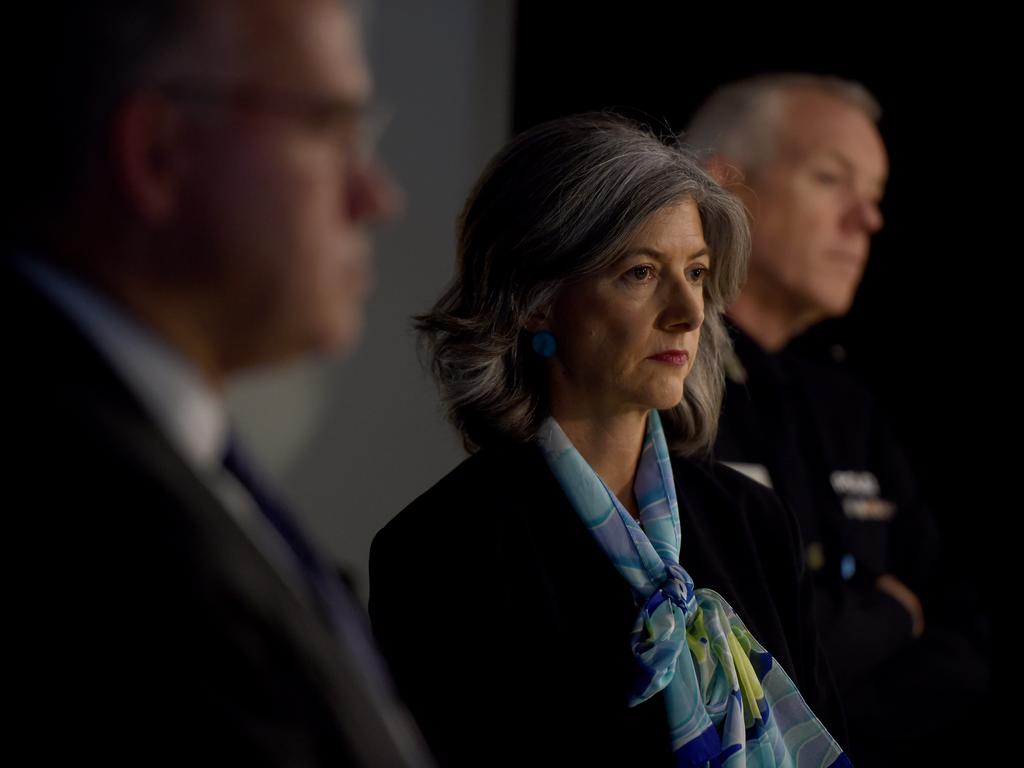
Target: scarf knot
(727,701)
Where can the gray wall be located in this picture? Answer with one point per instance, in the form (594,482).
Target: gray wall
(351,442)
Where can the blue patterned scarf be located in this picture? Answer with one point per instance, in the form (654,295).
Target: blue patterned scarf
(729,704)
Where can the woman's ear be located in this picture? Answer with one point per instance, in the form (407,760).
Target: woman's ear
(537,321)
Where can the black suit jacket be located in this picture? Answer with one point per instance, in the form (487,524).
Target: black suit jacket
(143,625)
(507,627)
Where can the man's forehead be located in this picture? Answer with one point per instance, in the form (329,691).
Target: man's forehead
(285,43)
(819,125)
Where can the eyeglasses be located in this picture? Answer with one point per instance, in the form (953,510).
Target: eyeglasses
(354,125)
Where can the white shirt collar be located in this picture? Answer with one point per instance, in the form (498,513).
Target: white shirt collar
(188,410)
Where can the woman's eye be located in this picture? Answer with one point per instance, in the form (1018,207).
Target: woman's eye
(699,273)
(640,273)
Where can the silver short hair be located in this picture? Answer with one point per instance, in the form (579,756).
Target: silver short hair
(741,120)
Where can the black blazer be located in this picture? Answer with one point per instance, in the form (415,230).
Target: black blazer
(143,625)
(507,627)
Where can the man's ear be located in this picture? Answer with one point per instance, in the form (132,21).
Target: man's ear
(149,156)
(724,171)
(730,175)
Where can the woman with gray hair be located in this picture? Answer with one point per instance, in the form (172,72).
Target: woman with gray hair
(576,591)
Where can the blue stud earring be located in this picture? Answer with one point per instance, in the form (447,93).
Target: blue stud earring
(544,343)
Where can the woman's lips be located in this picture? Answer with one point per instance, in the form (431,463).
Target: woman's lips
(672,357)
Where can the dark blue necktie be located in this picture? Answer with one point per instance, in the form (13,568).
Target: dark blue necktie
(404,742)
(324,586)
(272,509)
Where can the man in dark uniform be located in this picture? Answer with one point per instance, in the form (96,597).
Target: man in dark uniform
(805,156)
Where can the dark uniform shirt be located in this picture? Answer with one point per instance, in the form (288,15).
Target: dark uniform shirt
(810,430)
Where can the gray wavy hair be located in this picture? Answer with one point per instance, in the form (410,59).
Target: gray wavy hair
(557,204)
